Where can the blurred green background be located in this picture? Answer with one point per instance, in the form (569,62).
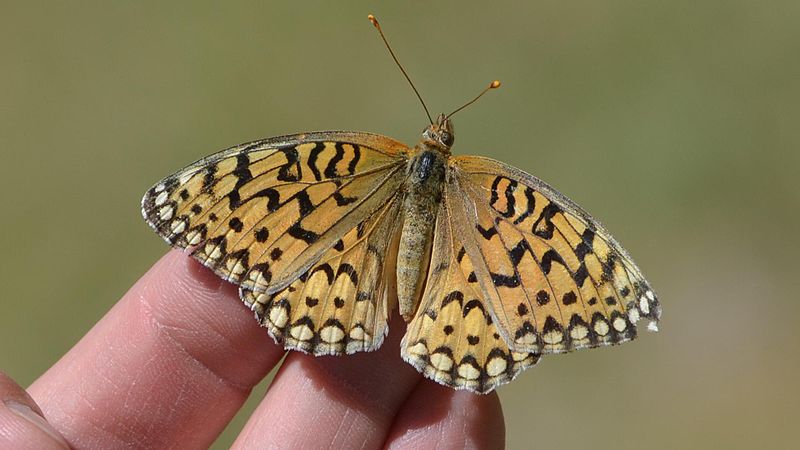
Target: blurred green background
(676,123)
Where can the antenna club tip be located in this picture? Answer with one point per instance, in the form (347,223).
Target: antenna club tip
(374,21)
(495,84)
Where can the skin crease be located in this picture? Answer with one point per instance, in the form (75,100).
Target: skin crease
(171,363)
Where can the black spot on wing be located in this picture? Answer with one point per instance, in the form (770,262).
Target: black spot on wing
(585,246)
(472,304)
(518,252)
(273,198)
(290,171)
(341,200)
(549,258)
(298,232)
(544,226)
(209,177)
(236,224)
(581,274)
(350,271)
(330,169)
(312,160)
(304,203)
(262,234)
(325,268)
(487,233)
(530,205)
(505,280)
(542,298)
(351,167)
(460,254)
(508,194)
(455,296)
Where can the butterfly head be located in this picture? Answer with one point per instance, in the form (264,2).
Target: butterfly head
(439,134)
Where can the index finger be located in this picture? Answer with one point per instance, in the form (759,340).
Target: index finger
(169,365)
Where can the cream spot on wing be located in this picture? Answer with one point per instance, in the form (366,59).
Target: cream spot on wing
(652,326)
(178,226)
(279,316)
(518,356)
(357,334)
(644,305)
(468,372)
(213,251)
(601,327)
(185,178)
(620,324)
(159,188)
(166,212)
(161,198)
(257,278)
(301,332)
(441,362)
(579,332)
(496,366)
(650,295)
(633,315)
(419,349)
(527,339)
(553,337)
(193,237)
(331,334)
(260,299)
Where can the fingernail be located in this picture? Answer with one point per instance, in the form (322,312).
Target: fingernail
(30,415)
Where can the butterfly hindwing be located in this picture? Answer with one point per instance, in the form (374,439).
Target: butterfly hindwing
(341,304)
(261,214)
(452,339)
(554,278)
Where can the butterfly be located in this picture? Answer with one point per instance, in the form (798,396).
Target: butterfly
(326,233)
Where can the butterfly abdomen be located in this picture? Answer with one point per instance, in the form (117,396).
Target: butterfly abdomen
(423,194)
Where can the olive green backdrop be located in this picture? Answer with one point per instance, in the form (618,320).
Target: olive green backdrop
(675,123)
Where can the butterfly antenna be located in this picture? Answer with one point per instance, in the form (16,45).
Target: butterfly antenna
(391,52)
(493,85)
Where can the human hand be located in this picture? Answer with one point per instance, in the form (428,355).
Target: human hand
(178,355)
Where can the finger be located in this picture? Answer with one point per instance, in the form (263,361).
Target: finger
(22,424)
(334,402)
(168,366)
(436,416)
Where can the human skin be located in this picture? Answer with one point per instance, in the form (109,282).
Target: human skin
(172,362)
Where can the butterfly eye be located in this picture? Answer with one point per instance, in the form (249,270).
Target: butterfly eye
(447,138)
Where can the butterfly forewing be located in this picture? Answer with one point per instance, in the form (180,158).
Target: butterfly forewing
(453,339)
(554,279)
(261,214)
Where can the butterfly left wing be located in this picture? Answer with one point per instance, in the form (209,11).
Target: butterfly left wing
(554,278)
(340,305)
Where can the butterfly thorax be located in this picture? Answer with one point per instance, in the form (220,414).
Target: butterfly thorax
(423,187)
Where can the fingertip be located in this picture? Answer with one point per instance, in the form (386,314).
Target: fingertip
(452,419)
(22,423)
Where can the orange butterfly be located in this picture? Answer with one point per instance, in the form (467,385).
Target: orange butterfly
(326,232)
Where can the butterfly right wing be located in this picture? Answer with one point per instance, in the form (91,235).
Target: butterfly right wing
(261,214)
(452,339)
